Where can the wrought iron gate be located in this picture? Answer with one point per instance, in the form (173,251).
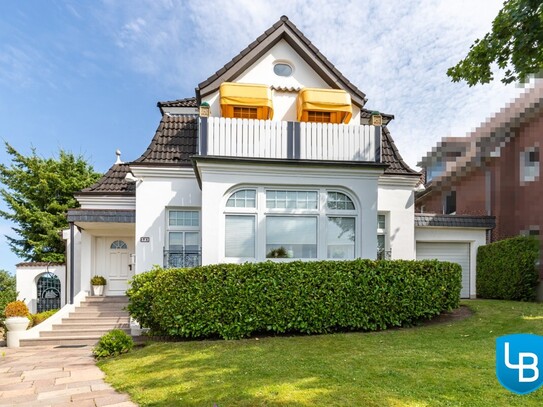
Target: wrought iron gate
(48,286)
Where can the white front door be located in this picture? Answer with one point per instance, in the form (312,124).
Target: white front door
(113,262)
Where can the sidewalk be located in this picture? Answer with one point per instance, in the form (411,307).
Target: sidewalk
(49,376)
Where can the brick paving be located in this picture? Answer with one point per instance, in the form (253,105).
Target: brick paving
(47,376)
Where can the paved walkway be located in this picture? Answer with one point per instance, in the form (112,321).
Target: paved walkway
(48,376)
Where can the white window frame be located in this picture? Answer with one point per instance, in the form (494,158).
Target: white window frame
(176,228)
(239,211)
(383,231)
(322,213)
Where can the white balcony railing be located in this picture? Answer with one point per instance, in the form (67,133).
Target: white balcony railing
(289,140)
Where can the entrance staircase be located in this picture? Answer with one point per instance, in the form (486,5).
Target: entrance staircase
(94,317)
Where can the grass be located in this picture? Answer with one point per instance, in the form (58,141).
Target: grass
(447,364)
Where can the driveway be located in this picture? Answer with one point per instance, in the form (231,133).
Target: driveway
(54,376)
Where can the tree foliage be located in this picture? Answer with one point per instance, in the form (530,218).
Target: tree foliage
(8,293)
(38,193)
(515,44)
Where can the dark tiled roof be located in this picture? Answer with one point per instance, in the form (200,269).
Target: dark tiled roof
(187,102)
(39,264)
(458,221)
(366,114)
(174,142)
(391,156)
(278,30)
(102,215)
(112,183)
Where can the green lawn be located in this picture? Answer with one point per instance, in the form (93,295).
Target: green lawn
(448,364)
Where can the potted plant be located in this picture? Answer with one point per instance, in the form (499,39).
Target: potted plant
(16,316)
(98,283)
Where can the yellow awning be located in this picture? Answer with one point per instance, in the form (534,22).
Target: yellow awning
(335,101)
(246,95)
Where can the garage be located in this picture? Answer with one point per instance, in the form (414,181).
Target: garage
(455,252)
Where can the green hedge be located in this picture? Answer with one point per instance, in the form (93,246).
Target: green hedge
(507,269)
(237,300)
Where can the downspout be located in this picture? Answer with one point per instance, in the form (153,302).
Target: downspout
(72,251)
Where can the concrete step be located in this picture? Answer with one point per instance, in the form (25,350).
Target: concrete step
(102,320)
(74,327)
(78,333)
(104,306)
(98,314)
(65,340)
(118,299)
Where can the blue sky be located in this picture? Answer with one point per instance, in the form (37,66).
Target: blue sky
(85,76)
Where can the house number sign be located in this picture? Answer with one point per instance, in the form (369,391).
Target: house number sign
(145,239)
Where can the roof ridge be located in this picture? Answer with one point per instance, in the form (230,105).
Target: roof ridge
(285,22)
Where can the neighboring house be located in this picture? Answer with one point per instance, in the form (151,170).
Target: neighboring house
(494,171)
(283,162)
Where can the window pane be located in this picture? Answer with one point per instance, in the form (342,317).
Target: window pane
(291,199)
(381,224)
(337,200)
(246,198)
(184,218)
(341,238)
(240,236)
(176,241)
(192,241)
(289,236)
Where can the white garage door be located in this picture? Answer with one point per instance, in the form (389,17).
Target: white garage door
(453,252)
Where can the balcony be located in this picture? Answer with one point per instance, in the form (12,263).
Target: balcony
(267,139)
(182,258)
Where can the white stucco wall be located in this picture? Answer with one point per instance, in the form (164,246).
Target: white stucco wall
(475,237)
(218,180)
(27,277)
(261,72)
(157,191)
(396,202)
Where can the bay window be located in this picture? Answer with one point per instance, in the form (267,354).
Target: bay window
(271,223)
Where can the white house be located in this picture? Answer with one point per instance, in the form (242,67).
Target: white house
(275,157)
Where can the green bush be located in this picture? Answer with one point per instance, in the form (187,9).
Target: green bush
(113,343)
(237,300)
(36,319)
(507,269)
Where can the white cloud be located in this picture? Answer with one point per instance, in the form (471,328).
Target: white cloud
(397,52)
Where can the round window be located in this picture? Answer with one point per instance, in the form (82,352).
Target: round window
(282,69)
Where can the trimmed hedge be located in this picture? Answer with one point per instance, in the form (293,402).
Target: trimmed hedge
(237,300)
(506,269)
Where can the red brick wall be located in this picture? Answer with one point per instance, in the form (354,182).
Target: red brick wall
(517,207)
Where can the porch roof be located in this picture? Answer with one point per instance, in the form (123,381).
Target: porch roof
(102,215)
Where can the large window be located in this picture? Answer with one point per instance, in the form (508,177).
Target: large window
(277,223)
(291,236)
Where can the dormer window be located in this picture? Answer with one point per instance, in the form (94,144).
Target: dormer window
(246,101)
(282,69)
